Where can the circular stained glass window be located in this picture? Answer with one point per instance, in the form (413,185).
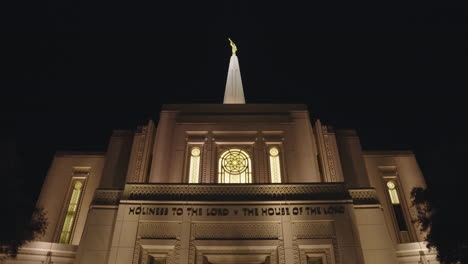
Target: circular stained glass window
(78,185)
(274,151)
(235,162)
(391,185)
(195,152)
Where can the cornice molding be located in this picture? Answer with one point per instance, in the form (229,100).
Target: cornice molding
(364,196)
(107,197)
(235,192)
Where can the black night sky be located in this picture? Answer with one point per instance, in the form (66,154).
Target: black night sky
(75,70)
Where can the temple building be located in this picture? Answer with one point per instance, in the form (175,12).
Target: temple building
(231,183)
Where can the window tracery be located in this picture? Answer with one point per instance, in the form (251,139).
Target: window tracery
(234,166)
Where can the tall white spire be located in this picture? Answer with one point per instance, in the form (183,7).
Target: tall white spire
(234,93)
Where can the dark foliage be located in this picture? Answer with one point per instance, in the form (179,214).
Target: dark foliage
(23,231)
(21,220)
(440,206)
(449,240)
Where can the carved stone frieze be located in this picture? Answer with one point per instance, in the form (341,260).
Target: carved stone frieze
(254,254)
(136,251)
(200,259)
(161,230)
(107,197)
(143,254)
(364,196)
(141,152)
(192,251)
(296,251)
(316,251)
(235,192)
(328,150)
(335,250)
(174,255)
(144,257)
(81,171)
(301,253)
(235,231)
(273,256)
(281,255)
(319,229)
(139,159)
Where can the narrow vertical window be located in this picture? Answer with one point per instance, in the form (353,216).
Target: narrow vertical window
(392,192)
(234,166)
(194,168)
(275,167)
(71,213)
(398,211)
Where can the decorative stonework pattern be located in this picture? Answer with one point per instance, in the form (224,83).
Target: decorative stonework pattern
(235,231)
(192,251)
(140,154)
(264,158)
(304,230)
(150,230)
(211,146)
(81,171)
(335,250)
(136,251)
(284,164)
(300,256)
(364,196)
(144,257)
(213,161)
(314,230)
(141,255)
(273,257)
(174,255)
(197,256)
(200,258)
(235,192)
(281,255)
(296,251)
(107,197)
(324,251)
(329,153)
(139,158)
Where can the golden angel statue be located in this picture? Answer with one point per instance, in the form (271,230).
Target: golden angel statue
(233,47)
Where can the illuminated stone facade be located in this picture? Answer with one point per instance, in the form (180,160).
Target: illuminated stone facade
(298,193)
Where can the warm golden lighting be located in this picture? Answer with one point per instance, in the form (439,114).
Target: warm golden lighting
(392,192)
(275,167)
(194,170)
(274,151)
(234,166)
(71,212)
(233,47)
(195,152)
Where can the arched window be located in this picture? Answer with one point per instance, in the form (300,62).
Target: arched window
(275,167)
(194,168)
(234,166)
